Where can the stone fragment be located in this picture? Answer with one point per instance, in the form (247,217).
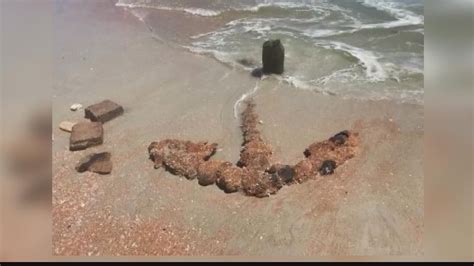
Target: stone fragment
(340,138)
(284,173)
(327,168)
(66,126)
(86,134)
(101,167)
(257,72)
(96,162)
(103,111)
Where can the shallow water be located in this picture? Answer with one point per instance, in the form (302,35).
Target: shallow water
(359,49)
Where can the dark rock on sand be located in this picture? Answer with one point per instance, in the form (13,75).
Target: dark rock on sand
(273,57)
(328,150)
(307,153)
(286,174)
(86,134)
(258,72)
(327,168)
(340,138)
(282,174)
(96,162)
(103,111)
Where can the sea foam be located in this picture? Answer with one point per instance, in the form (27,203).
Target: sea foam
(243,97)
(367,59)
(404,17)
(193,11)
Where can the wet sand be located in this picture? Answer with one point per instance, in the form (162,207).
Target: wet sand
(371,205)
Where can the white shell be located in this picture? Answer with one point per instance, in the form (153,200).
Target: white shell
(76,106)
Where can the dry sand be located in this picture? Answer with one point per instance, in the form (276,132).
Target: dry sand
(372,205)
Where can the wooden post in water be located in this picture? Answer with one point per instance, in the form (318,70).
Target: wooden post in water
(273,57)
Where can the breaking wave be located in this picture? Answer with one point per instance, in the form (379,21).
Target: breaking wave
(193,11)
(369,49)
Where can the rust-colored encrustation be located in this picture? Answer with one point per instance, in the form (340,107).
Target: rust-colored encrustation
(255,174)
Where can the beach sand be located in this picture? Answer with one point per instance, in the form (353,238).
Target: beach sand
(371,205)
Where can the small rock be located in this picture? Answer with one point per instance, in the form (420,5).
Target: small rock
(66,126)
(340,138)
(286,173)
(101,167)
(283,173)
(103,111)
(96,162)
(76,107)
(258,72)
(260,122)
(327,168)
(86,134)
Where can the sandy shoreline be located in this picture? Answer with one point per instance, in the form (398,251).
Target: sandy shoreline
(372,205)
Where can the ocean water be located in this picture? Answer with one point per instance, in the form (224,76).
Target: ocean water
(364,49)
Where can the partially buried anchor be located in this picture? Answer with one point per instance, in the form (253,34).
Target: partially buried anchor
(255,174)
